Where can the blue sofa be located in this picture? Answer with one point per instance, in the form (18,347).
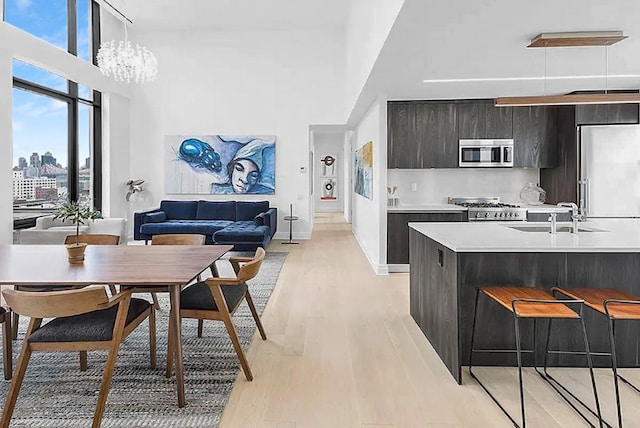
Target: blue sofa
(245,225)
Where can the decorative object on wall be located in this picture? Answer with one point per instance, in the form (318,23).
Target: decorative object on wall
(220,164)
(134,187)
(328,190)
(329,181)
(125,62)
(328,166)
(363,171)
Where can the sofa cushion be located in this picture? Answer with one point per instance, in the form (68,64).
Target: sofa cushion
(179,210)
(261,219)
(246,211)
(242,231)
(215,210)
(156,217)
(200,227)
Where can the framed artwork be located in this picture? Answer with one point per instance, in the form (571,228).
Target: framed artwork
(363,171)
(220,164)
(329,177)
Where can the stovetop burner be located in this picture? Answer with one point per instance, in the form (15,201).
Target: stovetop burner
(486,205)
(490,208)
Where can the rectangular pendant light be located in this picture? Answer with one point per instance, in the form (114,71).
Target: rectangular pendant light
(571,99)
(585,38)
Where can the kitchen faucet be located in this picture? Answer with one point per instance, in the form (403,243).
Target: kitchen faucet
(575,217)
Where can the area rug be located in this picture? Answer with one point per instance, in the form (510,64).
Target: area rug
(56,394)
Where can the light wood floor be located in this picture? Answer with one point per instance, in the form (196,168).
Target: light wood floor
(343,351)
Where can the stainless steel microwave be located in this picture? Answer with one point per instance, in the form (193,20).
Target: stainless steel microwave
(486,153)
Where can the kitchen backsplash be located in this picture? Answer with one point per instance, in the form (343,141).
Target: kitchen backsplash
(436,185)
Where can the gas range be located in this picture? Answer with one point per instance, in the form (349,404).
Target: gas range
(490,208)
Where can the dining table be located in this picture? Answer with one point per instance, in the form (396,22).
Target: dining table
(133,265)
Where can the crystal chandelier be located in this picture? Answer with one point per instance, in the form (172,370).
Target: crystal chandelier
(126,62)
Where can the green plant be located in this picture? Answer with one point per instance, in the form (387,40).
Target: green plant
(77,213)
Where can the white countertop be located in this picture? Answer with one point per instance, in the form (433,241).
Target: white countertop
(426,208)
(616,235)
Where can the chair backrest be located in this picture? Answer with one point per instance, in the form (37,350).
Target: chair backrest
(250,269)
(178,239)
(52,304)
(94,239)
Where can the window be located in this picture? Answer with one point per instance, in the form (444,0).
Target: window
(66,24)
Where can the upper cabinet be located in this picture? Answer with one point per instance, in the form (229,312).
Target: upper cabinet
(534,136)
(422,135)
(484,120)
(606,114)
(425,134)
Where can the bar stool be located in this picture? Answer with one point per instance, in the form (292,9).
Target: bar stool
(615,305)
(533,303)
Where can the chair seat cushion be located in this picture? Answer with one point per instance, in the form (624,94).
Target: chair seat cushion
(200,227)
(96,326)
(2,310)
(198,296)
(242,231)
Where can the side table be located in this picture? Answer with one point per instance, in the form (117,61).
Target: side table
(290,218)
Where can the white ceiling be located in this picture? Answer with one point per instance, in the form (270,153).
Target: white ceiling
(486,39)
(235,14)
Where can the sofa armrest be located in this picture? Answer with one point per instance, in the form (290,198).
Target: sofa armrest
(157,217)
(48,221)
(110,226)
(271,220)
(139,218)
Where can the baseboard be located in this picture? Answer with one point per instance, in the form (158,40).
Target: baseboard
(378,269)
(398,268)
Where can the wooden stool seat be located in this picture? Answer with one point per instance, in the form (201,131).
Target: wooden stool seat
(595,298)
(506,295)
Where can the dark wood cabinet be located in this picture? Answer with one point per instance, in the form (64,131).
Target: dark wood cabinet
(606,114)
(479,119)
(398,231)
(534,136)
(422,135)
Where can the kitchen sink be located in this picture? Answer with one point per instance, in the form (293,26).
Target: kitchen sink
(559,229)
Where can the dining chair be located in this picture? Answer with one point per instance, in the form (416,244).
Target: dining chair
(5,320)
(218,299)
(83,319)
(89,239)
(168,239)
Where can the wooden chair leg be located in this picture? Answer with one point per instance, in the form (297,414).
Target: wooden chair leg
(112,289)
(14,324)
(156,304)
(6,347)
(16,383)
(200,327)
(152,338)
(106,384)
(83,360)
(226,318)
(254,312)
(169,370)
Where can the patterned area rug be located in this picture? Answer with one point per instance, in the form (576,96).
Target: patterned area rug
(56,394)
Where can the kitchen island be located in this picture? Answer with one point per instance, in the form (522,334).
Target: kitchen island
(448,261)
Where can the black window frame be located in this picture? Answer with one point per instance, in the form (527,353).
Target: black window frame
(72,99)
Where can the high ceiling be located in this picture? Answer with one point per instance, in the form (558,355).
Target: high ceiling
(235,14)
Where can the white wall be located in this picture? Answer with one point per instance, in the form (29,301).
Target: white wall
(369,216)
(329,144)
(240,82)
(369,24)
(436,185)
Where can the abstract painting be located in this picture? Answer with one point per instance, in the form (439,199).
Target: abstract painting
(220,164)
(363,171)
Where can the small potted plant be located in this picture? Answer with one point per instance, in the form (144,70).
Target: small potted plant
(78,214)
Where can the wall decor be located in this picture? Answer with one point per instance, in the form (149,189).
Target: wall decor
(329,166)
(363,171)
(328,177)
(220,164)
(329,190)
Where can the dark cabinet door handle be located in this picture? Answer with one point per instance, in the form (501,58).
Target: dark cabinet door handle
(440,258)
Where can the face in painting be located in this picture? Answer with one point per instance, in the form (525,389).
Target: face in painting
(244,175)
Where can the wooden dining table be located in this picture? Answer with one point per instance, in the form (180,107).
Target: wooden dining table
(134,265)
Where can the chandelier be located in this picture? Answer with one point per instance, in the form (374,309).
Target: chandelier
(126,62)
